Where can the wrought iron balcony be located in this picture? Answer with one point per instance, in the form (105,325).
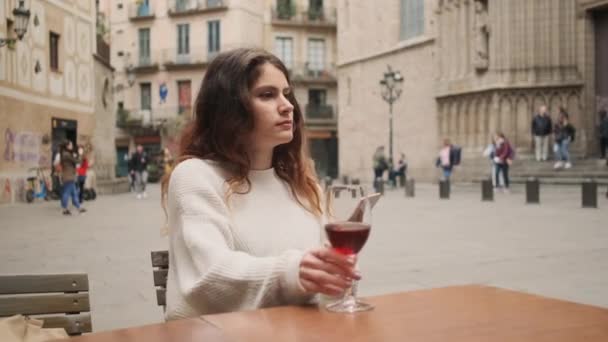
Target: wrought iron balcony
(154,117)
(288,15)
(146,63)
(189,7)
(313,73)
(319,112)
(141,11)
(196,57)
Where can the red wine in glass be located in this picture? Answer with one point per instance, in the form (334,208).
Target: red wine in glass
(347,237)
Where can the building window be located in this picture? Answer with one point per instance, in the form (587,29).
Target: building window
(214,3)
(184,96)
(144,46)
(183,39)
(316,55)
(317,97)
(412,18)
(317,107)
(54,51)
(283,48)
(213,43)
(315,9)
(146,96)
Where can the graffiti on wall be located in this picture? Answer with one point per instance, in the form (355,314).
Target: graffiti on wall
(23,147)
(7,192)
(12,190)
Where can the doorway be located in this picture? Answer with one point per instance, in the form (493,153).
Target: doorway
(62,130)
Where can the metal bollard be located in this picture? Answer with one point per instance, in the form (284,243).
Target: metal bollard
(487,190)
(379,185)
(444,189)
(402,181)
(589,192)
(410,188)
(532,191)
(345,180)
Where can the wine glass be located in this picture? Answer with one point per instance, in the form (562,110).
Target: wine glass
(347,225)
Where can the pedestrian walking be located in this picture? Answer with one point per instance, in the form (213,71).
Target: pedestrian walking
(449,157)
(68,160)
(503,159)
(541,130)
(139,169)
(244,207)
(81,171)
(564,136)
(380,165)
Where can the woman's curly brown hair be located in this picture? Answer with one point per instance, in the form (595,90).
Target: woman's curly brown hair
(223,120)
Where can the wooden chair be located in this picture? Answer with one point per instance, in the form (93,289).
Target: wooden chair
(160,265)
(60,300)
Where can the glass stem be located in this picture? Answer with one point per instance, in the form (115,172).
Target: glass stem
(351,293)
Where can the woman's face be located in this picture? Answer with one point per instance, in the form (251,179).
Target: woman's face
(272,111)
(69,146)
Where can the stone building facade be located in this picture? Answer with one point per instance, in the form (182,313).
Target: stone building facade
(47,87)
(476,67)
(170,43)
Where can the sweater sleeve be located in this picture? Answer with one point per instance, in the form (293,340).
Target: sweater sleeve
(221,278)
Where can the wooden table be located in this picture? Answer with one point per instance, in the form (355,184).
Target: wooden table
(459,313)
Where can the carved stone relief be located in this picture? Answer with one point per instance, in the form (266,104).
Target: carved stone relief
(24,64)
(69,32)
(70,78)
(84,41)
(39,31)
(481,56)
(39,83)
(471,120)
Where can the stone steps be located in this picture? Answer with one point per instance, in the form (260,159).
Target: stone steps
(582,170)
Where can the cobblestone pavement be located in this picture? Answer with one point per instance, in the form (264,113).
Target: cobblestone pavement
(555,249)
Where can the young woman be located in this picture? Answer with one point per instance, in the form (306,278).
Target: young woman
(564,136)
(503,159)
(243,205)
(82,172)
(68,162)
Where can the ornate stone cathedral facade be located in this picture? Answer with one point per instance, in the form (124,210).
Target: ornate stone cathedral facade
(476,67)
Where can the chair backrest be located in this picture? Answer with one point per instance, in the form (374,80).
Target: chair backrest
(63,299)
(160,266)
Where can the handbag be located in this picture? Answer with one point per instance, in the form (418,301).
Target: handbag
(20,328)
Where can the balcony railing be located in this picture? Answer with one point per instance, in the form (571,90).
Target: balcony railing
(187,7)
(289,15)
(133,118)
(197,57)
(319,112)
(141,11)
(309,72)
(145,63)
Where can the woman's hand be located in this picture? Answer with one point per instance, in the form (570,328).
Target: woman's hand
(326,271)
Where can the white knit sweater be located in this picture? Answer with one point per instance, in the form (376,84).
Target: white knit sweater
(241,256)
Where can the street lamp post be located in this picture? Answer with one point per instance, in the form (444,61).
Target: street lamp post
(22,17)
(391,90)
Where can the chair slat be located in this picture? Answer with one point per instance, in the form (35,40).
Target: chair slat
(44,283)
(160,259)
(73,324)
(161,297)
(44,304)
(160,277)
